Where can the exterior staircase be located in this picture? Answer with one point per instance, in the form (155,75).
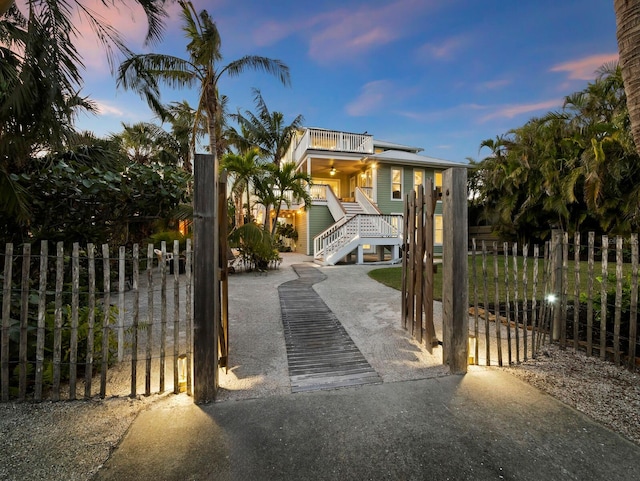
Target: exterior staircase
(355,229)
(352,209)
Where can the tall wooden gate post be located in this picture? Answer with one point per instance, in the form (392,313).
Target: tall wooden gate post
(455,295)
(206,275)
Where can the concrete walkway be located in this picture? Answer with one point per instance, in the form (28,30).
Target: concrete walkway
(486,425)
(418,424)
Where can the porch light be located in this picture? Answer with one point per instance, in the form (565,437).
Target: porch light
(332,171)
(472,349)
(182,373)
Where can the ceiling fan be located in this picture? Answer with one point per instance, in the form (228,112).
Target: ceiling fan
(332,170)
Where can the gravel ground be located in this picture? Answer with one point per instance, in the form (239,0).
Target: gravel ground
(71,440)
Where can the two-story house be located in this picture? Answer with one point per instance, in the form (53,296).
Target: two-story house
(359,187)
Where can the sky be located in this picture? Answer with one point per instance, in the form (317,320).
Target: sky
(442,75)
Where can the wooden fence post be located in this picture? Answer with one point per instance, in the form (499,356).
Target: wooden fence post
(6,321)
(455,267)
(205,279)
(556,281)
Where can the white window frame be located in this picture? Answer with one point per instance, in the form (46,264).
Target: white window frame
(422,173)
(401,170)
(438,229)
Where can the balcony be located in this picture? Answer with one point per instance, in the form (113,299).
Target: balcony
(330,140)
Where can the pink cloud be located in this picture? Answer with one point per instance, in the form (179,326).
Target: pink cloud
(584,68)
(127,18)
(444,50)
(371,99)
(345,34)
(511,111)
(105,108)
(493,84)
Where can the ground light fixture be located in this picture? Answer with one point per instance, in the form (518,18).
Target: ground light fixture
(182,373)
(472,349)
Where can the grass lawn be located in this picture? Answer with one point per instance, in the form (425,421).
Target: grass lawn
(392,277)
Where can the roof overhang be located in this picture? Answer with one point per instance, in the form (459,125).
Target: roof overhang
(401,157)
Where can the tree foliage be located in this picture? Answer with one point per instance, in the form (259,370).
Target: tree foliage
(266,130)
(202,70)
(576,169)
(76,197)
(40,81)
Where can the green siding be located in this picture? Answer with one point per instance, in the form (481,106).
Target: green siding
(385,203)
(320,219)
(389,206)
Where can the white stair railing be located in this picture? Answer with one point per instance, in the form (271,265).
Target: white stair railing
(361,226)
(365,201)
(335,206)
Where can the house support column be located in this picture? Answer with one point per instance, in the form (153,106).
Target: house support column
(395,252)
(360,259)
(380,250)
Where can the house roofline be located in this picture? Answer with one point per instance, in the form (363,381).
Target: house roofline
(387,157)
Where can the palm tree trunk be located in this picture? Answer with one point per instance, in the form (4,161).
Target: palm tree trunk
(239,214)
(267,216)
(628,32)
(275,218)
(248,203)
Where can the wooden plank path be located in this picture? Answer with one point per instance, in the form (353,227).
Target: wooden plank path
(320,353)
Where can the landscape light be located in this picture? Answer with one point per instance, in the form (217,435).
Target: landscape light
(472,349)
(182,373)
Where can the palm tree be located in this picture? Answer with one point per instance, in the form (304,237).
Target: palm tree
(286,185)
(243,167)
(267,131)
(265,195)
(146,143)
(628,33)
(144,72)
(62,9)
(41,80)
(187,133)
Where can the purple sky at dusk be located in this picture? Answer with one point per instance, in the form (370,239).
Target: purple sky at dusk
(438,74)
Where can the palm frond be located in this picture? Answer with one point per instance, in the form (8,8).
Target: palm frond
(262,64)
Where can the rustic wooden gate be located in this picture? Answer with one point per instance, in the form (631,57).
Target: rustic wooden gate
(417,268)
(417,265)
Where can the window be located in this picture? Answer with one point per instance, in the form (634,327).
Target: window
(437,229)
(418,179)
(437,179)
(396,183)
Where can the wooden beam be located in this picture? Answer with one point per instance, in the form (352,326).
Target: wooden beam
(205,280)
(455,277)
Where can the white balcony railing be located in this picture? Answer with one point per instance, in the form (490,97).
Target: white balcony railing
(318,191)
(332,140)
